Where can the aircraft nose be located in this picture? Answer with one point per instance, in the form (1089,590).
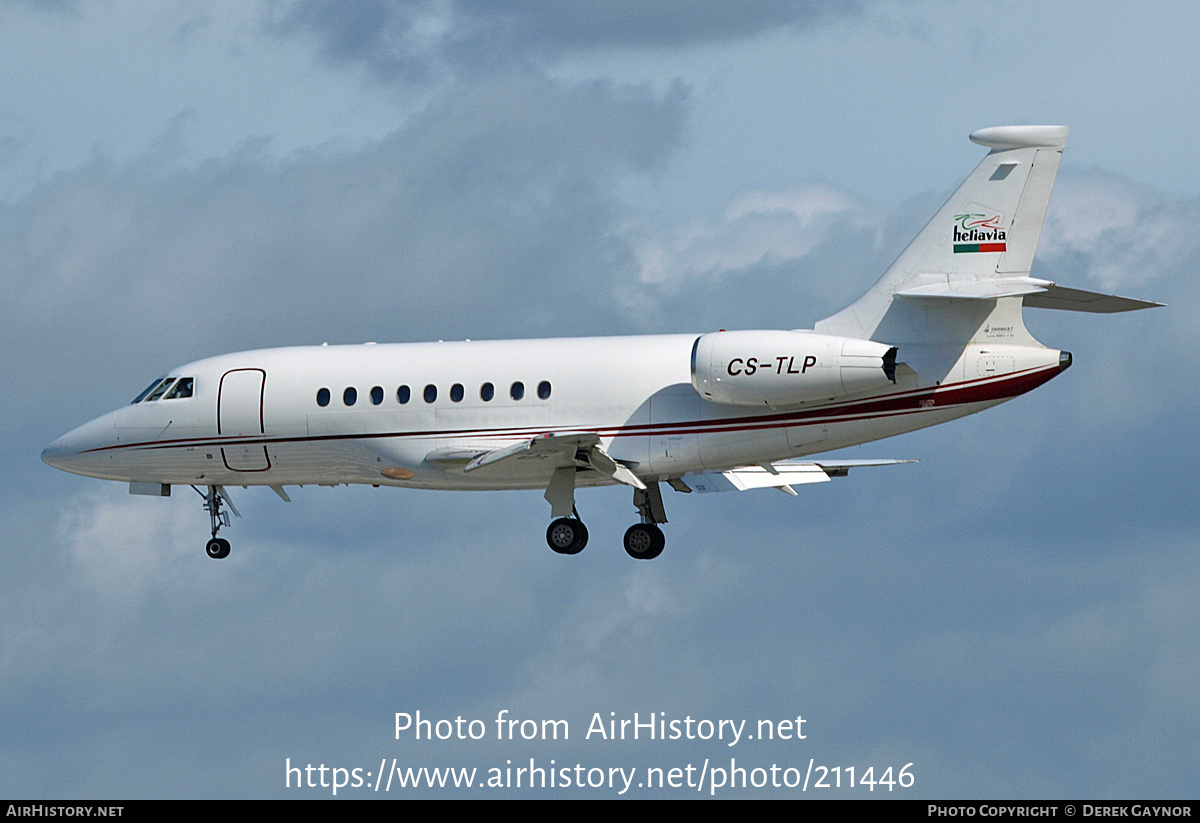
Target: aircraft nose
(59,453)
(72,451)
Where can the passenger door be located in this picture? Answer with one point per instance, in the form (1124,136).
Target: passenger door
(240,414)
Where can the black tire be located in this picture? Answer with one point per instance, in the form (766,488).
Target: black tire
(644,541)
(566,535)
(217,548)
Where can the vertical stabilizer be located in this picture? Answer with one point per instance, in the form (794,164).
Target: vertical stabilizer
(987,231)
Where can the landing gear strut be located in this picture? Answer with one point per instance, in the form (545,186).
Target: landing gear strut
(568,535)
(216,497)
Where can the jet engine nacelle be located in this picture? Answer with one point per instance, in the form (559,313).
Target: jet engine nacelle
(784,368)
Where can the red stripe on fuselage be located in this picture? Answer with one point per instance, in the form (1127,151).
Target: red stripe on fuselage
(979,390)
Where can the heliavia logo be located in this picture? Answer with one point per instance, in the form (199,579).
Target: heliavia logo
(974,233)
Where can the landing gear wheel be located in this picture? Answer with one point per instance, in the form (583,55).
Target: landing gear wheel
(644,541)
(567,535)
(214,499)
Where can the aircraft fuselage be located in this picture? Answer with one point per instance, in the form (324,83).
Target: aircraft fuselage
(255,418)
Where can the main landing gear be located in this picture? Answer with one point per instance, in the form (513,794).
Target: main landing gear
(643,541)
(218,547)
(567,535)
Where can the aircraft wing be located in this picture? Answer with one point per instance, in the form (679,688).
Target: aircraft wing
(562,449)
(781,475)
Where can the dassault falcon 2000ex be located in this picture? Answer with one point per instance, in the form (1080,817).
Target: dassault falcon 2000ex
(939,336)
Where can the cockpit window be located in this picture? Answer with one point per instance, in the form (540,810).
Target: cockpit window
(149,389)
(182,389)
(162,388)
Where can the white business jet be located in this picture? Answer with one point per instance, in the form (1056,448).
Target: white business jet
(939,336)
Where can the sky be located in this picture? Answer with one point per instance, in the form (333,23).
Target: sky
(1015,616)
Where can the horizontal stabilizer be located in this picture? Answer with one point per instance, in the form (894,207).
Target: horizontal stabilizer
(1040,294)
(976,289)
(781,475)
(1059,297)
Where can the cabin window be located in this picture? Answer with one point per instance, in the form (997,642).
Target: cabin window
(182,389)
(377,395)
(486,392)
(456,392)
(350,396)
(544,390)
(517,391)
(403,394)
(147,390)
(322,397)
(430,393)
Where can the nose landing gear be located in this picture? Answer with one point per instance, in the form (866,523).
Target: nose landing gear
(217,548)
(216,497)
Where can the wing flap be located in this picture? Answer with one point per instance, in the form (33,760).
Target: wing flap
(568,449)
(781,475)
(453,458)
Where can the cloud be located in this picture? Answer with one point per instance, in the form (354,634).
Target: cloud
(1028,587)
(918,614)
(1117,233)
(44,6)
(758,226)
(119,546)
(776,258)
(1107,233)
(396,40)
(563,24)
(465,218)
(422,40)
(613,629)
